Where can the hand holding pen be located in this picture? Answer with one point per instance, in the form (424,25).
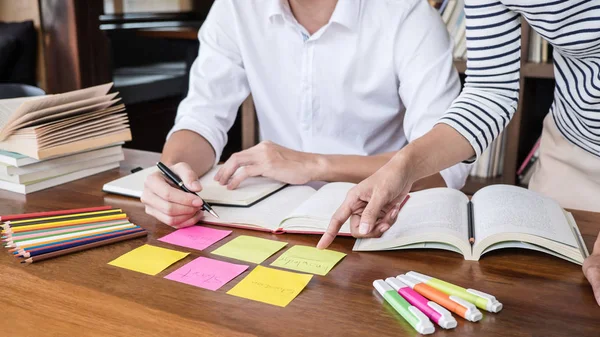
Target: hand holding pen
(171,204)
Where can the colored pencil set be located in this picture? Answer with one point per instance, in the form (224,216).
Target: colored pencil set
(419,298)
(40,236)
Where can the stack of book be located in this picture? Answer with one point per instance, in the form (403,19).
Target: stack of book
(50,140)
(526,169)
(453,15)
(539,49)
(491,161)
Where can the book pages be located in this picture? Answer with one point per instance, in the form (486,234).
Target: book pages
(503,208)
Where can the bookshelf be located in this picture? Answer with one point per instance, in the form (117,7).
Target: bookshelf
(515,131)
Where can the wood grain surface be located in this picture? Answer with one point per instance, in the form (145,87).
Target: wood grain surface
(80,295)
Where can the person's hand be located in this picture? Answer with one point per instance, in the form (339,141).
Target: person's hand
(270,160)
(373,204)
(169,204)
(591,269)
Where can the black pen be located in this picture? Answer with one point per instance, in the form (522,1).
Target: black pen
(177,181)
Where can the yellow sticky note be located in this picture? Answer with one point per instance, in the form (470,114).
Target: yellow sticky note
(309,260)
(271,286)
(249,248)
(148,259)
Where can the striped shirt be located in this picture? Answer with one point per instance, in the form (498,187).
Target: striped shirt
(491,93)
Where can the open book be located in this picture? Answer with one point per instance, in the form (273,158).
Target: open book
(294,209)
(249,192)
(54,125)
(502,216)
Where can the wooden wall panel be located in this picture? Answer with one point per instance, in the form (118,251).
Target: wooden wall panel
(76,49)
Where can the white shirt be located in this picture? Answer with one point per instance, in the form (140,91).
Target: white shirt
(377,76)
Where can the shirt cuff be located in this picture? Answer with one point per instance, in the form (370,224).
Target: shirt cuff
(469,136)
(187,123)
(456,176)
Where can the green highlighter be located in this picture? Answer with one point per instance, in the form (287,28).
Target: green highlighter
(411,314)
(480,299)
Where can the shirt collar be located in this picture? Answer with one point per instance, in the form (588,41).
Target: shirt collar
(345,13)
(278,8)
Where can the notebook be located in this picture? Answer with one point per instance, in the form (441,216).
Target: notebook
(503,216)
(54,125)
(249,192)
(294,209)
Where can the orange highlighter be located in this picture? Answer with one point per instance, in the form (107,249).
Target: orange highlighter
(457,305)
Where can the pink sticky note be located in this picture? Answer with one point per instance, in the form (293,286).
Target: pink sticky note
(196,237)
(207,273)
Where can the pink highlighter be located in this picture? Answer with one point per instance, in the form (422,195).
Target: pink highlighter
(431,309)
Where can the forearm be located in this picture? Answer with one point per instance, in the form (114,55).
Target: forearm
(191,148)
(352,168)
(347,168)
(437,150)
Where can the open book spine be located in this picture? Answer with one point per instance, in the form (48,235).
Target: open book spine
(279,230)
(241,226)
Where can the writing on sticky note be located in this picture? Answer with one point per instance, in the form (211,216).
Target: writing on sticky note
(207,273)
(309,260)
(148,259)
(196,237)
(272,286)
(249,248)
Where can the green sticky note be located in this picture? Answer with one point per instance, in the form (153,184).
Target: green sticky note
(249,248)
(309,260)
(148,259)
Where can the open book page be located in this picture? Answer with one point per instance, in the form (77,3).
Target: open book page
(504,208)
(504,213)
(61,111)
(525,245)
(315,213)
(9,106)
(249,191)
(434,215)
(74,120)
(267,213)
(55,100)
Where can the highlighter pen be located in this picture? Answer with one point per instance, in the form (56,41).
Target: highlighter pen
(432,310)
(174,178)
(412,315)
(455,304)
(480,299)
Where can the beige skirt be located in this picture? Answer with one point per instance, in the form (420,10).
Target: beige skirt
(565,172)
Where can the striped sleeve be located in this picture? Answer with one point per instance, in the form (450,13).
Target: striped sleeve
(491,93)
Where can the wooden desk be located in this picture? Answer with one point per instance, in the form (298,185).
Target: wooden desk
(80,295)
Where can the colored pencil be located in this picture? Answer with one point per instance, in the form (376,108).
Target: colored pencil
(82,247)
(40,221)
(63,230)
(63,237)
(50,249)
(21,251)
(52,213)
(64,223)
(24,235)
